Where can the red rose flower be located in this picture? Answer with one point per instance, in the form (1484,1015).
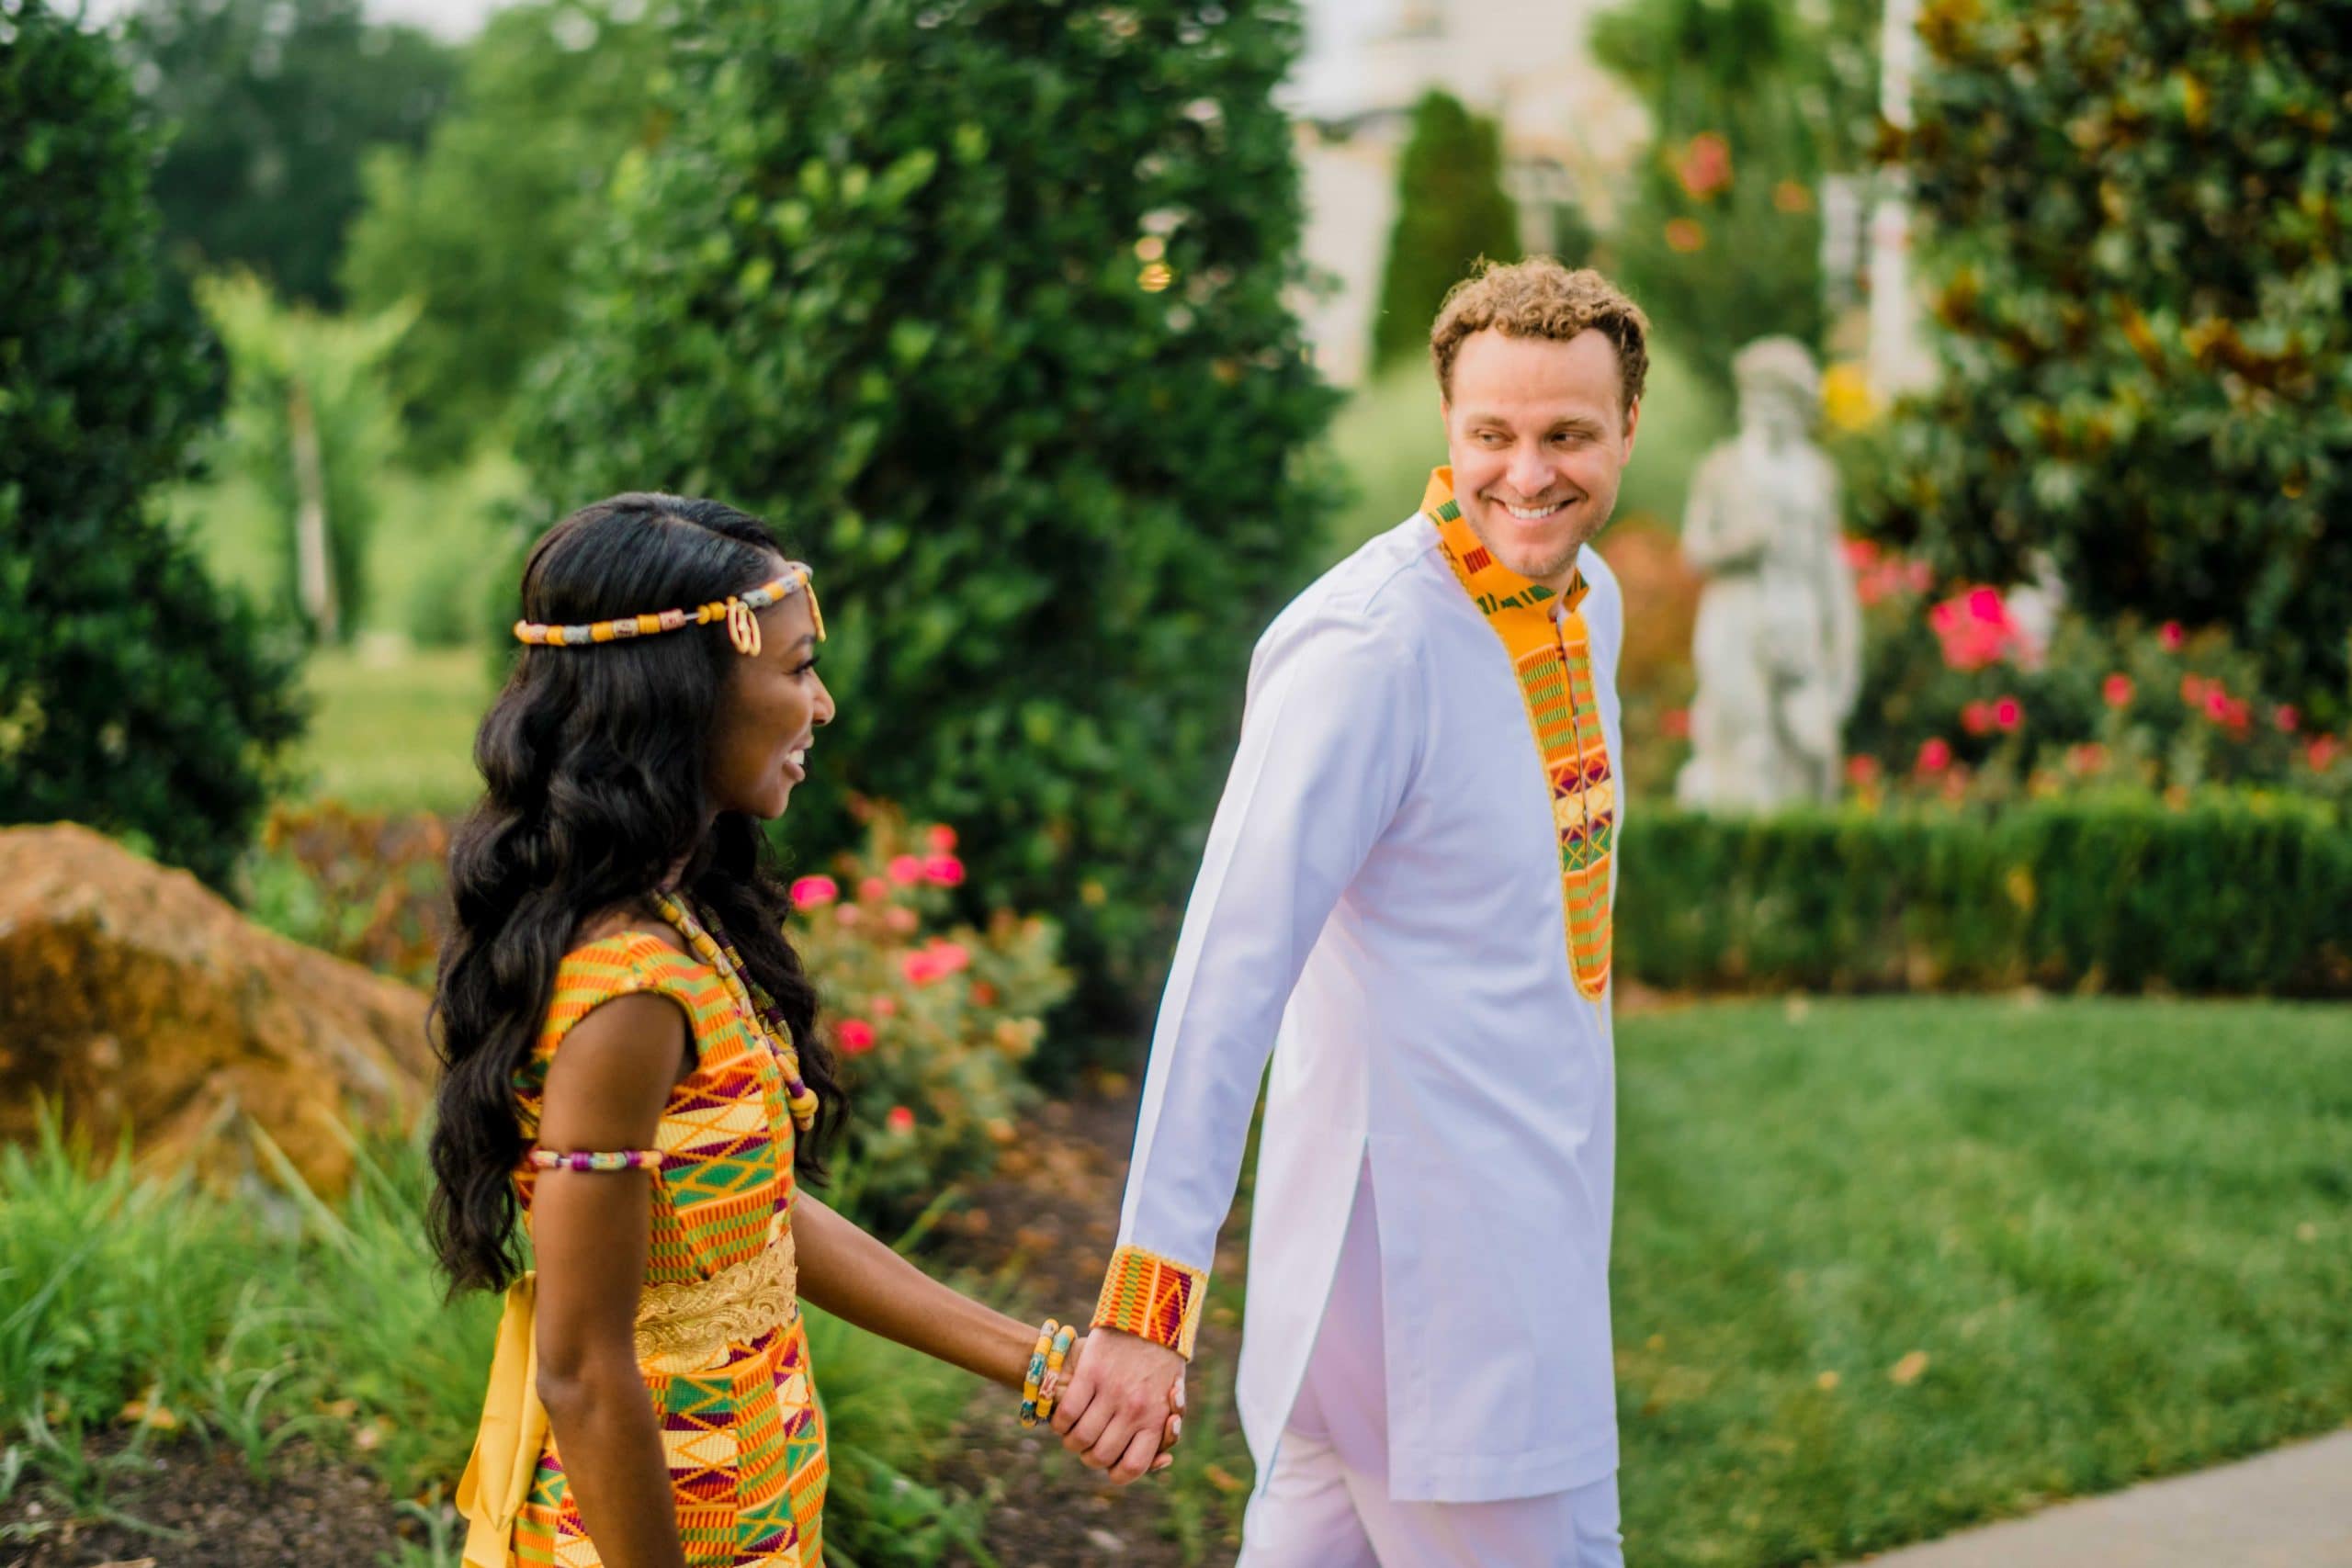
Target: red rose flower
(856,1036)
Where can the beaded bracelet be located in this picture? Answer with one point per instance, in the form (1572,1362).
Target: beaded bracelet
(1049,1386)
(1035,1375)
(621,1159)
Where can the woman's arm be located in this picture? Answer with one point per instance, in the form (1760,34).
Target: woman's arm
(606,1091)
(863,1282)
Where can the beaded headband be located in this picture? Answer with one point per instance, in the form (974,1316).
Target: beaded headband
(736,610)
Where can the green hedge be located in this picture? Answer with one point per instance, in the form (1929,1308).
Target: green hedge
(2233,894)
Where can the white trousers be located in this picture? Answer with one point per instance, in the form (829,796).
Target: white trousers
(1325,1505)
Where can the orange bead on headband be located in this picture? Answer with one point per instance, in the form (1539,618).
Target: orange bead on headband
(738,610)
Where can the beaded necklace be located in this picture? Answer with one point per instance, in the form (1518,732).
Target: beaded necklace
(760,1012)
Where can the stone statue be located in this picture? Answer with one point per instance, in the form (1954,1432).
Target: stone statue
(1778,643)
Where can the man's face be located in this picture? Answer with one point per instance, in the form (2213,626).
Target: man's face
(1538,445)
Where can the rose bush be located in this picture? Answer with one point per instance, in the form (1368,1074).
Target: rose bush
(933,1021)
(1963,700)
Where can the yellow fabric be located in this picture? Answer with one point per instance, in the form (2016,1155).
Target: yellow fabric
(514,1426)
(1552,655)
(1153,1298)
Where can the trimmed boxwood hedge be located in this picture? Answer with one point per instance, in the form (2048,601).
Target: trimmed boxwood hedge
(2240,894)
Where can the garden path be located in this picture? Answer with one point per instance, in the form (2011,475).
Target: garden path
(2288,1508)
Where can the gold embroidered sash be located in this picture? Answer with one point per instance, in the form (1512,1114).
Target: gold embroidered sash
(1553,659)
(689,1324)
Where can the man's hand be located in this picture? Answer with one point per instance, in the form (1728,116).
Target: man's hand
(1125,1395)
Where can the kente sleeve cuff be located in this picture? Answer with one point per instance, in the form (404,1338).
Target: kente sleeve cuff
(1153,1298)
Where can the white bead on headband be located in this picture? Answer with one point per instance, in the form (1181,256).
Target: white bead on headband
(736,610)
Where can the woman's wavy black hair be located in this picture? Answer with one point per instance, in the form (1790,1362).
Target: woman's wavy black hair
(595,761)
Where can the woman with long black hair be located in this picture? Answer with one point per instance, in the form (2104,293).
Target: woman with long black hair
(632,1070)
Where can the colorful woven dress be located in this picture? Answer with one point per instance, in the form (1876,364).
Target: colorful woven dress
(720,1337)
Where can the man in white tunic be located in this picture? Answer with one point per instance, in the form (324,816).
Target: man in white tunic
(1405,900)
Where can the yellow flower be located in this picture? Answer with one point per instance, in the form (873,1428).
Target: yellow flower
(1845,399)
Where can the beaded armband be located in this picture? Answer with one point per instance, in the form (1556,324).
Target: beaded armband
(1153,1298)
(618,1159)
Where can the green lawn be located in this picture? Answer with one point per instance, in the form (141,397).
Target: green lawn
(2111,1236)
(395,733)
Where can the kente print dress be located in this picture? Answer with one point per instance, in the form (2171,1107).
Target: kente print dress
(720,1340)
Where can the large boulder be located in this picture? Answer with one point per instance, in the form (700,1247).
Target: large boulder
(133,997)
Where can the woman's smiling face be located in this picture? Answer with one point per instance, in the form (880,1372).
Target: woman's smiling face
(773,704)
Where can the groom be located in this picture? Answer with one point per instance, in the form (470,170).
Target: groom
(1405,900)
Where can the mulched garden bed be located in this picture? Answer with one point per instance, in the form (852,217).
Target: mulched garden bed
(203,1510)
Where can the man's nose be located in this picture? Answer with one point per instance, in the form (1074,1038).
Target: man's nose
(1529,476)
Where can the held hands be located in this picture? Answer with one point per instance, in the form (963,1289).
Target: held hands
(1125,1404)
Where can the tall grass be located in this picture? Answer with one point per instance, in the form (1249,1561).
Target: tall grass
(138,1303)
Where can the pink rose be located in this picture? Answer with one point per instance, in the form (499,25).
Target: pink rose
(2117,690)
(901,1120)
(848,914)
(1935,755)
(1976,717)
(2322,753)
(810,892)
(1861,771)
(2192,690)
(2171,637)
(2007,714)
(1974,629)
(883,1006)
(856,1036)
(943,871)
(905,870)
(942,839)
(872,888)
(2287,718)
(900,918)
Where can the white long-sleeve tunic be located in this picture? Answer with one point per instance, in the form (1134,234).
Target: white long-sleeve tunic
(1380,908)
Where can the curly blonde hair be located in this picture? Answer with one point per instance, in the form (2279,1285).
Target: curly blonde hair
(1540,297)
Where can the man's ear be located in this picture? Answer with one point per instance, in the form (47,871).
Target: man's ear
(1632,419)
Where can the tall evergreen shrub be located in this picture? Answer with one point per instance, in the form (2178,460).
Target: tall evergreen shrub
(134,696)
(1451,210)
(984,306)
